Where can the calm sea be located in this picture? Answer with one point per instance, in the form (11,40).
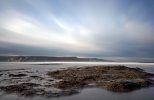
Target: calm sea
(87,93)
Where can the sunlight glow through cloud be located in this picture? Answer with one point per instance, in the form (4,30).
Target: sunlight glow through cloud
(88,27)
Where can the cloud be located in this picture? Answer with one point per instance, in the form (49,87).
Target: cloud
(33,33)
(85,28)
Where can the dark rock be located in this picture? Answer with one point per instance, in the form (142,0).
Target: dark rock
(24,89)
(50,80)
(17,75)
(30,90)
(1,74)
(37,77)
(64,84)
(18,88)
(124,86)
(104,76)
(34,76)
(70,81)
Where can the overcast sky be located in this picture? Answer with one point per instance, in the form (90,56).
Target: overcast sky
(86,28)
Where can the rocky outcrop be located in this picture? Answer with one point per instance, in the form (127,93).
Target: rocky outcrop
(124,86)
(70,81)
(113,78)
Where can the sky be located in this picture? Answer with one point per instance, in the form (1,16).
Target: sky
(84,28)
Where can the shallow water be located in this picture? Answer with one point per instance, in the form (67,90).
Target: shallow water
(40,68)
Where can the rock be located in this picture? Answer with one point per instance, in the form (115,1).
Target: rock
(17,75)
(18,88)
(1,74)
(69,81)
(64,84)
(124,86)
(103,76)
(32,89)
(51,80)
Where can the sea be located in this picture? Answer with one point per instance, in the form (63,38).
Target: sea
(41,68)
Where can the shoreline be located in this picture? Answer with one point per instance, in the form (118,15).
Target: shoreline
(70,81)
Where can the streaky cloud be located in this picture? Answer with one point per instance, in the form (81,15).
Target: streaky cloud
(78,27)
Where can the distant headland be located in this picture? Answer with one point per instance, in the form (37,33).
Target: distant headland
(44,58)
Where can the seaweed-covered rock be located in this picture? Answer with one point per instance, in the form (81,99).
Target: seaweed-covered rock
(69,81)
(64,84)
(124,86)
(24,89)
(114,78)
(32,89)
